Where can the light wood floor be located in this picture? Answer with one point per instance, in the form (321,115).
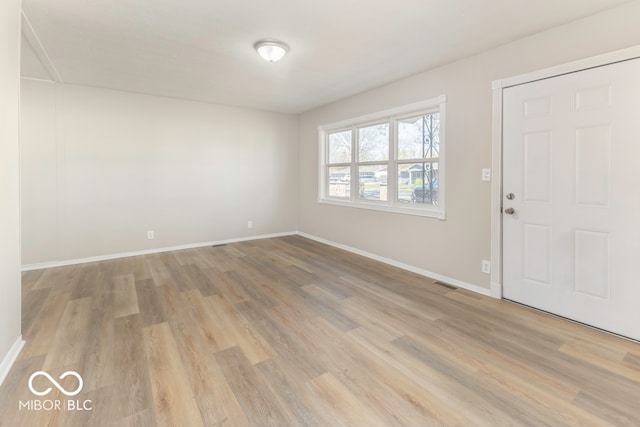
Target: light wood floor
(289,332)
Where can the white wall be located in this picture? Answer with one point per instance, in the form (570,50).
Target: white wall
(101,167)
(9,179)
(455,247)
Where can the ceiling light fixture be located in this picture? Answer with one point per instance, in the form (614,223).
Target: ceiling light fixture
(271,50)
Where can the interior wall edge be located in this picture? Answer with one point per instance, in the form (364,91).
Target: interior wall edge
(32,37)
(10,307)
(10,358)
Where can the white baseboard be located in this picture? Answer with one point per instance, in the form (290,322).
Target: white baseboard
(496,290)
(10,358)
(420,271)
(39,266)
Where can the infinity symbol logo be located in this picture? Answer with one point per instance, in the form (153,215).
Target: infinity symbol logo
(55,383)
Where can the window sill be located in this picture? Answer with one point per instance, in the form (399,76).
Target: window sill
(386,207)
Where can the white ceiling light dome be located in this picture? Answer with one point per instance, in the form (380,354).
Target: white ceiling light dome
(271,50)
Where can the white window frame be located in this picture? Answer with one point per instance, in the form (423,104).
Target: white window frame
(391,116)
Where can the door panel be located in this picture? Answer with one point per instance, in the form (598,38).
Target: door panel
(571,158)
(592,263)
(537,167)
(536,253)
(593,172)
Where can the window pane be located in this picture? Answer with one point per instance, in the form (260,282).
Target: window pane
(418,183)
(373,143)
(419,137)
(340,182)
(372,182)
(340,147)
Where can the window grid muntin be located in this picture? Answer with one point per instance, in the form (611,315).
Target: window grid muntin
(437,106)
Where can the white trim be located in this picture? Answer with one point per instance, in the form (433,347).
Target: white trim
(498,87)
(496,196)
(10,358)
(39,266)
(322,172)
(439,277)
(385,207)
(442,163)
(61,160)
(422,272)
(571,67)
(41,53)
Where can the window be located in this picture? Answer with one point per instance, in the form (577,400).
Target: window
(391,161)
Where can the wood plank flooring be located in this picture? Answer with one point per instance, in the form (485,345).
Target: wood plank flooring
(290,332)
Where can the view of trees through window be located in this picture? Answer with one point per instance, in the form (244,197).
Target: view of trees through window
(340,147)
(373,156)
(370,151)
(417,161)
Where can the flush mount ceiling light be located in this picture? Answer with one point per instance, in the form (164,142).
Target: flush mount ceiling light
(271,50)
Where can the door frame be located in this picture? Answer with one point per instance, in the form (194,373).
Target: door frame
(498,87)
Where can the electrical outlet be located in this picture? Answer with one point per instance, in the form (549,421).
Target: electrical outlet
(151,234)
(486,266)
(486,174)
(249,224)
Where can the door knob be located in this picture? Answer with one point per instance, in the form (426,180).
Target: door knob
(509,211)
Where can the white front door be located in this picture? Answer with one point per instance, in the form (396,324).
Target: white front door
(571,174)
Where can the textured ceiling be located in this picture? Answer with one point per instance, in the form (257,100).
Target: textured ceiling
(203,49)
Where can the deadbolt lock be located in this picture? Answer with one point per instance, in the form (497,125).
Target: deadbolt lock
(510,196)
